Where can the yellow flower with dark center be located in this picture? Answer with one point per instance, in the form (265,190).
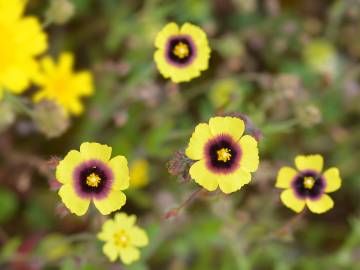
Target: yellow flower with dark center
(62,85)
(224,156)
(22,40)
(123,238)
(308,185)
(182,53)
(90,175)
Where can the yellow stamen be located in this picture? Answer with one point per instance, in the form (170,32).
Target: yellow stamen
(224,154)
(309,182)
(181,50)
(121,239)
(93,180)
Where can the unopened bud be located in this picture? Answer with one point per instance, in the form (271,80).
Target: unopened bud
(60,11)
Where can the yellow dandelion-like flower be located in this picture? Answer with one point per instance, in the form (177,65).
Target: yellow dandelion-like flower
(224,157)
(308,185)
(58,82)
(123,238)
(90,175)
(139,173)
(22,39)
(182,53)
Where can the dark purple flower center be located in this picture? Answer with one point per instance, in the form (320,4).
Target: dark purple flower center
(222,154)
(93,179)
(309,184)
(180,50)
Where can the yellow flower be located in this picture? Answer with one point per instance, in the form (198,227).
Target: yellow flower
(308,185)
(224,157)
(60,84)
(139,173)
(182,53)
(22,39)
(90,175)
(123,238)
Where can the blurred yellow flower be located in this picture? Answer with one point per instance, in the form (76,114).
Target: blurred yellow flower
(90,175)
(123,238)
(182,53)
(139,173)
(22,39)
(308,185)
(224,157)
(62,85)
(321,56)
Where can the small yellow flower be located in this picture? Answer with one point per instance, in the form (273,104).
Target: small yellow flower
(139,173)
(60,84)
(123,238)
(308,185)
(224,157)
(182,53)
(22,40)
(90,175)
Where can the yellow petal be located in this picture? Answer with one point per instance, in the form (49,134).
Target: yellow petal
(197,34)
(66,62)
(285,176)
(124,220)
(250,154)
(203,176)
(290,200)
(110,251)
(120,169)
(129,255)
(66,167)
(162,37)
(95,151)
(72,201)
(107,231)
(321,205)
(233,182)
(138,237)
(198,140)
(227,125)
(332,179)
(311,162)
(114,201)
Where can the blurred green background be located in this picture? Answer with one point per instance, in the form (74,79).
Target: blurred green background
(292,67)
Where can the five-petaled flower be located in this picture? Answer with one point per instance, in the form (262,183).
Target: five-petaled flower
(308,185)
(61,84)
(224,157)
(90,175)
(123,238)
(22,40)
(182,53)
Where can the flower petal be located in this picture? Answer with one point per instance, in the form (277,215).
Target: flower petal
(250,154)
(332,179)
(285,176)
(110,251)
(107,231)
(163,36)
(321,205)
(65,169)
(95,151)
(119,166)
(198,140)
(203,176)
(233,182)
(129,255)
(72,201)
(227,125)
(124,220)
(114,201)
(290,200)
(311,162)
(138,237)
